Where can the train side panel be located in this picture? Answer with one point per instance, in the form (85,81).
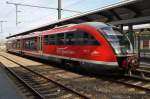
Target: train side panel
(98,53)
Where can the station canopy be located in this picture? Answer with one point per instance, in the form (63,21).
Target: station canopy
(125,13)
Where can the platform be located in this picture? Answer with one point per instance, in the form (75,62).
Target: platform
(8,90)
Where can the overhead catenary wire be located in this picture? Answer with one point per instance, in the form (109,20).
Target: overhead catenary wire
(59,9)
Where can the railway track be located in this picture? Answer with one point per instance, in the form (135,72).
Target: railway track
(134,81)
(130,82)
(145,66)
(41,86)
(137,80)
(143,72)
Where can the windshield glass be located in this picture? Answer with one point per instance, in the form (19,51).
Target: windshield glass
(118,40)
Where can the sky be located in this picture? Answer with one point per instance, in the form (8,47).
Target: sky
(33,17)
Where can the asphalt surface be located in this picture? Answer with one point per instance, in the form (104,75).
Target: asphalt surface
(8,90)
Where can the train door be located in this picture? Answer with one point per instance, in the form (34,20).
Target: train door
(40,44)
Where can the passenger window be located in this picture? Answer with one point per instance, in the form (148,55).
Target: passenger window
(70,38)
(60,39)
(26,44)
(79,38)
(89,40)
(51,40)
(30,43)
(16,44)
(84,38)
(46,40)
(33,43)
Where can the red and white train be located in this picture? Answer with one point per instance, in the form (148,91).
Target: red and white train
(91,42)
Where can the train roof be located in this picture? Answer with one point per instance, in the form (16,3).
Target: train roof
(92,24)
(97,24)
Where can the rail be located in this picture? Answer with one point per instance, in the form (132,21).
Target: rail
(50,80)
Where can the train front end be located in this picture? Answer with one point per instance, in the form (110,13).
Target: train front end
(121,46)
